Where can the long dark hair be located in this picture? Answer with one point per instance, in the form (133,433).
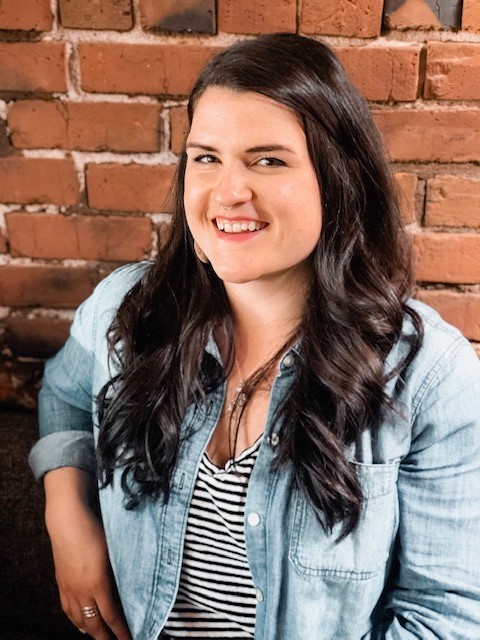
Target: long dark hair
(356,304)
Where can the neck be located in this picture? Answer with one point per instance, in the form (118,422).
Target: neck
(266,314)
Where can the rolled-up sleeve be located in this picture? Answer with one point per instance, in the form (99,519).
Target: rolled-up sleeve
(65,400)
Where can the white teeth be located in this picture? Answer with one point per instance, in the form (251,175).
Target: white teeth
(239,227)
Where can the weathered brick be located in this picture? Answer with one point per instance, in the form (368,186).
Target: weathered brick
(383,73)
(193,16)
(3,243)
(96,14)
(38,180)
(453,201)
(28,15)
(36,337)
(361,18)
(453,69)
(431,135)
(178,128)
(141,68)
(447,257)
(97,126)
(33,66)
(56,287)
(132,187)
(257,16)
(460,309)
(422,14)
(471,16)
(6,148)
(407,185)
(84,237)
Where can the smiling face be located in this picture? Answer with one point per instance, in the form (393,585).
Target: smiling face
(251,196)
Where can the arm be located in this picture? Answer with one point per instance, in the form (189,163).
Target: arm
(65,457)
(435,591)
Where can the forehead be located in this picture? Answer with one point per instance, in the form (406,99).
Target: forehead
(224,113)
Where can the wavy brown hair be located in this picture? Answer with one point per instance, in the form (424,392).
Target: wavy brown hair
(353,316)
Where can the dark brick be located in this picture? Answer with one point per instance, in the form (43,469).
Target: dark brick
(36,337)
(193,16)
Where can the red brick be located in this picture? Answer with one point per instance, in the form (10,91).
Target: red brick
(383,73)
(257,16)
(33,66)
(56,287)
(447,257)
(471,16)
(95,126)
(178,128)
(453,69)
(407,185)
(431,135)
(193,16)
(141,68)
(38,180)
(131,187)
(83,237)
(28,15)
(453,201)
(36,337)
(96,14)
(361,18)
(460,309)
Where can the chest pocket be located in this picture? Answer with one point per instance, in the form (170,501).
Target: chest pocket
(363,553)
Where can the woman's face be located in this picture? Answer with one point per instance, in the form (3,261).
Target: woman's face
(251,196)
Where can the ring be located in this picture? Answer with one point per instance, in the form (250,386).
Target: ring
(90,612)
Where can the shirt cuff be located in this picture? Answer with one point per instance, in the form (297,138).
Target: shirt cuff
(63,449)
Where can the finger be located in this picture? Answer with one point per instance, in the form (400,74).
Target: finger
(95,625)
(112,614)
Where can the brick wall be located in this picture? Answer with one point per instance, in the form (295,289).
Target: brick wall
(92,113)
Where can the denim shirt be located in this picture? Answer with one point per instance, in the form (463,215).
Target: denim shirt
(411,569)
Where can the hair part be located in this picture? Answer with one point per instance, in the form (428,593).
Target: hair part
(357,299)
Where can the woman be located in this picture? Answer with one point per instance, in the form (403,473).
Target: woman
(272,345)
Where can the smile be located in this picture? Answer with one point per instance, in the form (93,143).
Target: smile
(239,226)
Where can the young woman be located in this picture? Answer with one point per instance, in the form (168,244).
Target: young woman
(287,446)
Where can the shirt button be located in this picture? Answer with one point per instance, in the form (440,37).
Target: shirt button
(259,594)
(274,439)
(288,360)
(253,519)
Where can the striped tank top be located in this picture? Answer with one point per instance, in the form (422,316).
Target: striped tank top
(216,597)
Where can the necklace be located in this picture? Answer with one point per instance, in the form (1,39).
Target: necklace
(239,396)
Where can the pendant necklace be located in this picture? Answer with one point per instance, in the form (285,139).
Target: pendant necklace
(240,397)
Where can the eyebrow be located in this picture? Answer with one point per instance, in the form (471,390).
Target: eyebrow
(264,148)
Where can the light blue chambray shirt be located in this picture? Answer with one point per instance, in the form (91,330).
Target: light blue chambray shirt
(410,570)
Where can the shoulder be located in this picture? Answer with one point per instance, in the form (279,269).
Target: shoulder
(94,315)
(114,287)
(444,356)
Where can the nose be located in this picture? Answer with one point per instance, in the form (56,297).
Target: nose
(232,187)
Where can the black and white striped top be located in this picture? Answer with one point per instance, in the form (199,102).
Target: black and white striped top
(216,597)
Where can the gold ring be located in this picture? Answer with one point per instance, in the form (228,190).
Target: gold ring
(90,612)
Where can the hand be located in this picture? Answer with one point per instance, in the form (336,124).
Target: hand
(82,567)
